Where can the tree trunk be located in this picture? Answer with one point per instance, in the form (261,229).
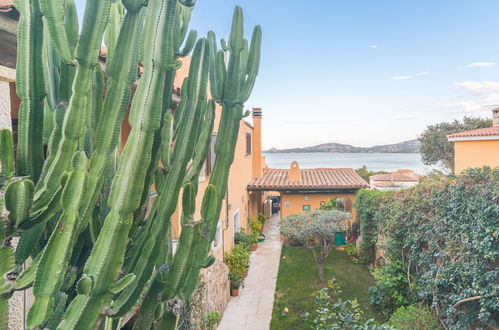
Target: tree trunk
(320,270)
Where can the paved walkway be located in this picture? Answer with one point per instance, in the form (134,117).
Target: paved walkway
(252,309)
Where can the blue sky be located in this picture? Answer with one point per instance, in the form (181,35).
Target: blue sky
(365,72)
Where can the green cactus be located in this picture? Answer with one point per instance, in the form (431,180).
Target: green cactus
(6,153)
(80,206)
(231,95)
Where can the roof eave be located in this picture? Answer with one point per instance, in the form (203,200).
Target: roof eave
(473,138)
(306,189)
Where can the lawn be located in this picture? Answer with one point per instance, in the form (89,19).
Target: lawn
(297,281)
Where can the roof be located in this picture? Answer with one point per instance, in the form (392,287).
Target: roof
(396,177)
(484,133)
(310,179)
(385,184)
(6,5)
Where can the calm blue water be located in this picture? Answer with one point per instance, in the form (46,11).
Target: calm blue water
(374,161)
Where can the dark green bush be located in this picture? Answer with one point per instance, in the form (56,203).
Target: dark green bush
(262,218)
(413,317)
(443,234)
(245,239)
(238,262)
(391,290)
(331,312)
(350,249)
(367,203)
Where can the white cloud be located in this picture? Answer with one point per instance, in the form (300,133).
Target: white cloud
(374,46)
(463,106)
(410,76)
(486,94)
(480,89)
(480,65)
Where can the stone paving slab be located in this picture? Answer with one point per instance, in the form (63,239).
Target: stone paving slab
(252,309)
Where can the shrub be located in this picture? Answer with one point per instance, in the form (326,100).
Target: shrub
(212,319)
(245,239)
(367,202)
(256,226)
(413,317)
(236,280)
(443,232)
(350,249)
(312,229)
(262,218)
(391,290)
(238,262)
(331,312)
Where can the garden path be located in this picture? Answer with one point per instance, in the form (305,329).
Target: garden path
(252,309)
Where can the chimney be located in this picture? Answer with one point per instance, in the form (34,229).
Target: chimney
(495,117)
(256,148)
(294,171)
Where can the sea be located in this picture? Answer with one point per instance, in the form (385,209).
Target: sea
(374,161)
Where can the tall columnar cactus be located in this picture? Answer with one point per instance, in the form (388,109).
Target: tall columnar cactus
(79,206)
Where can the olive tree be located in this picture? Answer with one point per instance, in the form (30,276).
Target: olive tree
(315,230)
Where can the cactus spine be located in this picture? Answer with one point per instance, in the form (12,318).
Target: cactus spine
(79,208)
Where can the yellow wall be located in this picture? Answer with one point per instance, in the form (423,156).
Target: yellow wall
(239,198)
(241,172)
(469,154)
(296,202)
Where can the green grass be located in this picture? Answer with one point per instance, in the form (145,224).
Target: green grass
(297,282)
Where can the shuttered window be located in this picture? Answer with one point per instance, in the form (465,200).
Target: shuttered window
(248,144)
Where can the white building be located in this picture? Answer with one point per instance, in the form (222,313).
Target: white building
(397,180)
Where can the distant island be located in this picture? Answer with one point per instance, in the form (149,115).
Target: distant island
(411,146)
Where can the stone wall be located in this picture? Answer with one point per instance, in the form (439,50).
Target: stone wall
(213,294)
(5,121)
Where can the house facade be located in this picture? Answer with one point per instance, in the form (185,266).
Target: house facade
(303,190)
(477,148)
(397,180)
(238,205)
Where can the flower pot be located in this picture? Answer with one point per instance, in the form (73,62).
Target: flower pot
(254,247)
(234,292)
(261,238)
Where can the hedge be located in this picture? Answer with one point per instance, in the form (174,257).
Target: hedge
(444,232)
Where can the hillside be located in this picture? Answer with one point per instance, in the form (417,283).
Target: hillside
(411,146)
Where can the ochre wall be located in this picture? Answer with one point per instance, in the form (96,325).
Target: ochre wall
(469,154)
(239,198)
(314,200)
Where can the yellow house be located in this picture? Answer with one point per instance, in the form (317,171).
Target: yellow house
(239,204)
(477,148)
(248,161)
(303,190)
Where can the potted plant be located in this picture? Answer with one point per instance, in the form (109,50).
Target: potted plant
(236,282)
(256,226)
(248,240)
(238,262)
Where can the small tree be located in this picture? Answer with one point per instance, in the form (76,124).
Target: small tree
(315,230)
(435,149)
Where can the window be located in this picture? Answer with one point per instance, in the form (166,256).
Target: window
(210,160)
(237,224)
(248,144)
(217,242)
(306,208)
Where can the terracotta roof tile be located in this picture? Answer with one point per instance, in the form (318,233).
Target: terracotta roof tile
(488,131)
(409,177)
(310,179)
